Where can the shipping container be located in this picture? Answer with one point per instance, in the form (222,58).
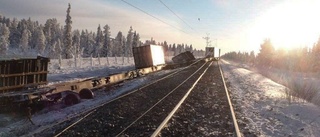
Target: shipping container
(183,57)
(148,56)
(213,52)
(17,74)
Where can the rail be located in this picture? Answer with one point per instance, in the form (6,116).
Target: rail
(234,119)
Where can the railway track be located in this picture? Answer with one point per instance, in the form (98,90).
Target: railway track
(141,112)
(207,111)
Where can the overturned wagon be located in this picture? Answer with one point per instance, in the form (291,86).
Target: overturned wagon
(183,57)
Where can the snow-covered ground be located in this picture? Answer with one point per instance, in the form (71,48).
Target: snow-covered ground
(265,106)
(263,103)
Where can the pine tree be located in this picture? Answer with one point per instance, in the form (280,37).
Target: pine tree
(58,48)
(76,44)
(40,43)
(118,49)
(52,50)
(89,44)
(123,51)
(24,42)
(266,53)
(83,40)
(67,41)
(105,52)
(4,38)
(98,43)
(51,31)
(15,35)
(136,39)
(129,43)
(174,49)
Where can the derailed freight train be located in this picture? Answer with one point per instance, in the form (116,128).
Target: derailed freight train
(23,82)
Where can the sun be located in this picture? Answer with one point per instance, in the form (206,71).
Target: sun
(289,25)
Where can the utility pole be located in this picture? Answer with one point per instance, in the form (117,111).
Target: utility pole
(208,41)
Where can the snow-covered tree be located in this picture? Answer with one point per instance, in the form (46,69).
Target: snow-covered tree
(128,48)
(136,39)
(76,50)
(118,47)
(165,47)
(15,35)
(99,42)
(52,50)
(52,31)
(24,42)
(106,49)
(4,38)
(67,41)
(40,41)
(58,48)
(89,43)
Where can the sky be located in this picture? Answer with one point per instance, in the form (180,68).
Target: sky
(232,25)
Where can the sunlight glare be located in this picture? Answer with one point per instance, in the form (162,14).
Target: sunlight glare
(157,55)
(289,25)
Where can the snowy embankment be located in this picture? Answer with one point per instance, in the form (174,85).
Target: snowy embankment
(265,107)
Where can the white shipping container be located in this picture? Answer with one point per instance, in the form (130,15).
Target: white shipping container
(148,56)
(212,52)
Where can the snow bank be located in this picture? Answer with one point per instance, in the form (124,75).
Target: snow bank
(265,107)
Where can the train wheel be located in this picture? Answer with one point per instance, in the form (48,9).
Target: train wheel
(86,94)
(71,99)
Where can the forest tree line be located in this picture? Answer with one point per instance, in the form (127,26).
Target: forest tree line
(297,59)
(27,37)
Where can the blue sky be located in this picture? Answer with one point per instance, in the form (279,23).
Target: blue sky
(236,25)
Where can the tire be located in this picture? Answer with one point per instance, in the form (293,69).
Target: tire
(71,99)
(86,94)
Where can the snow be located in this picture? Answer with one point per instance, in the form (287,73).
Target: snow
(263,103)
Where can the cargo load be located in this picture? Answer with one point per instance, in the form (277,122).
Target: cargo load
(148,56)
(183,57)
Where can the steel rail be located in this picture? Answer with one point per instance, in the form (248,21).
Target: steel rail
(90,111)
(234,119)
(160,101)
(166,120)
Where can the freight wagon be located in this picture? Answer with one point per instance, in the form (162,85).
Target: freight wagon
(213,52)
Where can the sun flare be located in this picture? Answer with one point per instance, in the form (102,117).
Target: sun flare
(289,25)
